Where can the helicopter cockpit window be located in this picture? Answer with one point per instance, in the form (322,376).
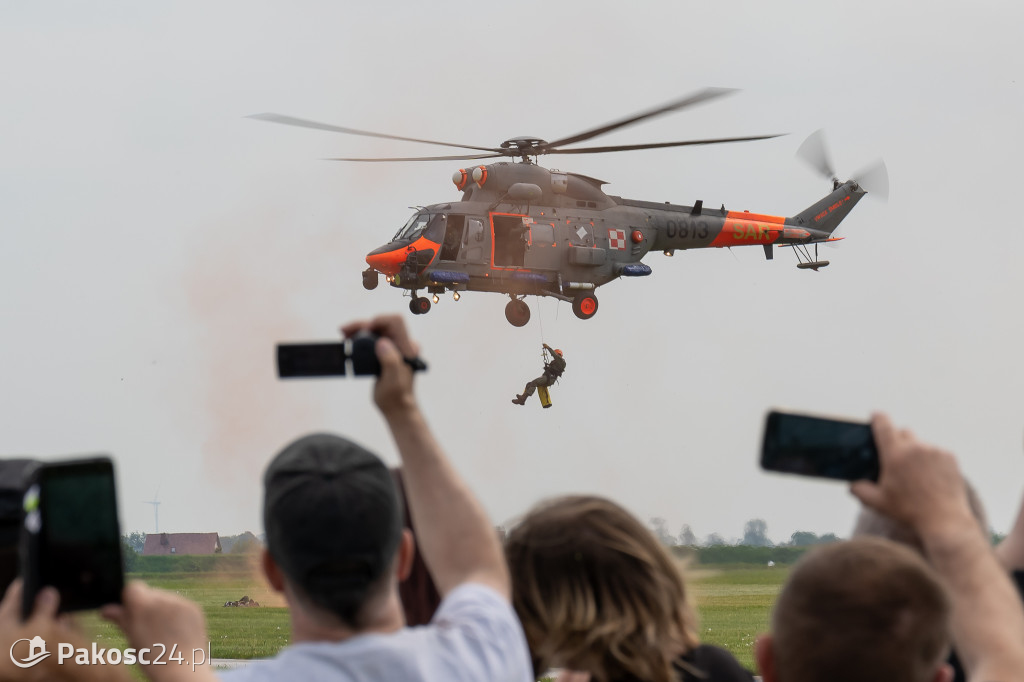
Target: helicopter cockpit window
(414,228)
(435,228)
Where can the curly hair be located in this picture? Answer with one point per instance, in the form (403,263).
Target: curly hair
(596,591)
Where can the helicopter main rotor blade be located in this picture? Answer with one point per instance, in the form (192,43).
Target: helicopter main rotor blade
(815,153)
(689,100)
(303,123)
(656,145)
(422,158)
(874,179)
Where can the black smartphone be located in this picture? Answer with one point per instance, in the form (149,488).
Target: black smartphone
(14,476)
(71,539)
(818,446)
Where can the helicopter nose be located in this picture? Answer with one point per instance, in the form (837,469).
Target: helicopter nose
(387,259)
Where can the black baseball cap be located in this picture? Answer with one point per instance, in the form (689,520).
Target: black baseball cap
(332,514)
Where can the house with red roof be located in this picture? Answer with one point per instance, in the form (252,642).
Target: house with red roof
(181,543)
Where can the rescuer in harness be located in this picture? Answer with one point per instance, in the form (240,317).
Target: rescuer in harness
(553,369)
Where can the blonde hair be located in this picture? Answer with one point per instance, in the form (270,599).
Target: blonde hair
(596,592)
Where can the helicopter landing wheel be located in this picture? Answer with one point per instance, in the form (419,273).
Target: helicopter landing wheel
(584,306)
(420,305)
(517,312)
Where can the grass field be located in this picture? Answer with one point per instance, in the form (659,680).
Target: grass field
(734,603)
(253,632)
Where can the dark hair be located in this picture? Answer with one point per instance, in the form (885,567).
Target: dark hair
(865,609)
(333,522)
(344,599)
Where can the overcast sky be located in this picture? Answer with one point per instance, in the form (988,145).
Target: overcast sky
(156,244)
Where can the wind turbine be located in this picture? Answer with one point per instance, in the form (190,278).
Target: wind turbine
(156,509)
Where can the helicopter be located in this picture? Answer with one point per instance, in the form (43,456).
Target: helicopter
(520,229)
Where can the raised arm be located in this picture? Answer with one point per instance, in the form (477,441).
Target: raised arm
(921,485)
(1011,550)
(454,533)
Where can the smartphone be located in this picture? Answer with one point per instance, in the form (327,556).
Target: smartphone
(71,539)
(14,475)
(818,446)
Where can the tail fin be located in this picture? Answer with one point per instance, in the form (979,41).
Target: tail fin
(826,214)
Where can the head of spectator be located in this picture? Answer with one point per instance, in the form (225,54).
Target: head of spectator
(871,523)
(866,609)
(596,592)
(335,541)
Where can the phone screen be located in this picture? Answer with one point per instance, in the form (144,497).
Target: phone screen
(74,542)
(817,446)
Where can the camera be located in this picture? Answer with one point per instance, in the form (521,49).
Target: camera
(330,359)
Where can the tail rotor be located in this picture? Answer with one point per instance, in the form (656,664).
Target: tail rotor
(815,153)
(874,179)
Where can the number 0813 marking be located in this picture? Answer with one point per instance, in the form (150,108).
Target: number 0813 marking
(683,229)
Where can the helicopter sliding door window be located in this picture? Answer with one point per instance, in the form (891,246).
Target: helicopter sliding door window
(474,248)
(453,237)
(510,236)
(542,235)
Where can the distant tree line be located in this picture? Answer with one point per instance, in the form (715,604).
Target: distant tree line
(755,534)
(740,554)
(243,543)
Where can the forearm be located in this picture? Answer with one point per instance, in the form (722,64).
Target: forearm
(1011,550)
(988,618)
(453,531)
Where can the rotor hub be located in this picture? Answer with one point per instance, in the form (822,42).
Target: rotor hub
(525,146)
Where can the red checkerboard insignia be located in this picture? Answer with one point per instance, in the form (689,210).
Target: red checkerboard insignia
(617,239)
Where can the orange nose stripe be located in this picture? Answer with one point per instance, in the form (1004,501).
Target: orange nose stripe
(389,263)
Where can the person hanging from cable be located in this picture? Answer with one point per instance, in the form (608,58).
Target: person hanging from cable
(553,369)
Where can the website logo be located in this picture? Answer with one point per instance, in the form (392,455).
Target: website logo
(158,654)
(36,652)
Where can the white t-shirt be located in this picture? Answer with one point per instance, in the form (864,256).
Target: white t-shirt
(474,636)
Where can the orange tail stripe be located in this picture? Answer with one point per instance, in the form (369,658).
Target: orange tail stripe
(739,231)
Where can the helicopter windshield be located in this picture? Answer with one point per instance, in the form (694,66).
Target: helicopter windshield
(414,228)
